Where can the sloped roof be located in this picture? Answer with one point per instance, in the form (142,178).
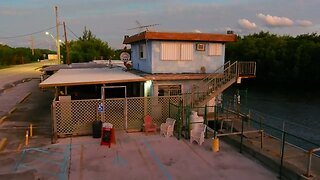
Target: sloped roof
(179,36)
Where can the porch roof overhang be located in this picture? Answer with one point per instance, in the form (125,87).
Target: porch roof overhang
(74,77)
(175,77)
(180,36)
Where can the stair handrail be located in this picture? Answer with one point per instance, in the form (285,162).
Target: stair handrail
(212,82)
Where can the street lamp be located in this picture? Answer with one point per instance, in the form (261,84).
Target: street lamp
(57,44)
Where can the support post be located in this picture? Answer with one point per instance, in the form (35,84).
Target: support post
(282,153)
(206,120)
(58,35)
(241,137)
(262,136)
(309,164)
(179,119)
(66,43)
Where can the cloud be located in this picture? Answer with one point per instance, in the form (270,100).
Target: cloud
(275,21)
(304,23)
(246,24)
(197,31)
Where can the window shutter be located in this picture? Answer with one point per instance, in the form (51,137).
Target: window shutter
(186,51)
(215,49)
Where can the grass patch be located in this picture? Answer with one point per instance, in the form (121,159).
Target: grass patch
(4,66)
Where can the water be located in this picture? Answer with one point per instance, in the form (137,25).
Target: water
(296,112)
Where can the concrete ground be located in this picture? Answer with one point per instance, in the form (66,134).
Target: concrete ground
(134,156)
(138,156)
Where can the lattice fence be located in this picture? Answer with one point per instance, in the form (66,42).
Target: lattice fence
(76,117)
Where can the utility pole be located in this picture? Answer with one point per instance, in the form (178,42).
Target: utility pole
(58,35)
(66,42)
(32,45)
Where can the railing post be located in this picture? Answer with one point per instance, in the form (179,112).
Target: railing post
(188,122)
(262,133)
(206,120)
(262,136)
(215,122)
(237,68)
(169,109)
(309,164)
(241,137)
(282,153)
(54,137)
(180,119)
(310,153)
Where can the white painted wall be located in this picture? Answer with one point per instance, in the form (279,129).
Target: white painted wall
(200,58)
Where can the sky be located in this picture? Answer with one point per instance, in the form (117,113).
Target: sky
(110,20)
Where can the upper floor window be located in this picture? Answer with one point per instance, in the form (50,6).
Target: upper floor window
(142,51)
(176,51)
(215,49)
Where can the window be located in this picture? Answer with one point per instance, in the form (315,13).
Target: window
(142,51)
(176,51)
(169,90)
(215,49)
(186,51)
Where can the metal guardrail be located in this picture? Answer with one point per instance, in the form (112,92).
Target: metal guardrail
(273,140)
(221,79)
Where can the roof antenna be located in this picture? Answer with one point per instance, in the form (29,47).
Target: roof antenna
(141,27)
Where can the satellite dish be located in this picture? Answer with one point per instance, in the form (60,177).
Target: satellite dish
(124,56)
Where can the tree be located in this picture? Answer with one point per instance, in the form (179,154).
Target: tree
(88,48)
(281,60)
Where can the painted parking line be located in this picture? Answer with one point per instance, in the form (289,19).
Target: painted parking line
(157,160)
(119,160)
(62,164)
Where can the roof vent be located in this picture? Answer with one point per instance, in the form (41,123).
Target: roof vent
(229,32)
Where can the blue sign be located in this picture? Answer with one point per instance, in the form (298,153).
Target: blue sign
(100,108)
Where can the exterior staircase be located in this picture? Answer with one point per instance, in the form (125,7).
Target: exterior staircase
(214,84)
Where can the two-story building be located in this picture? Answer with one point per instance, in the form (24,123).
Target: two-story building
(164,64)
(173,62)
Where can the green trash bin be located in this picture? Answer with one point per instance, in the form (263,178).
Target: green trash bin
(96,129)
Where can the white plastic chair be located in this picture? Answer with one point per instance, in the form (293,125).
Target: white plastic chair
(197,133)
(167,128)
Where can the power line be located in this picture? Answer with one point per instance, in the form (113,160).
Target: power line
(29,34)
(72,32)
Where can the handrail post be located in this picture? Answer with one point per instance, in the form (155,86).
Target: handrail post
(237,68)
(282,153)
(309,163)
(308,174)
(241,137)
(206,119)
